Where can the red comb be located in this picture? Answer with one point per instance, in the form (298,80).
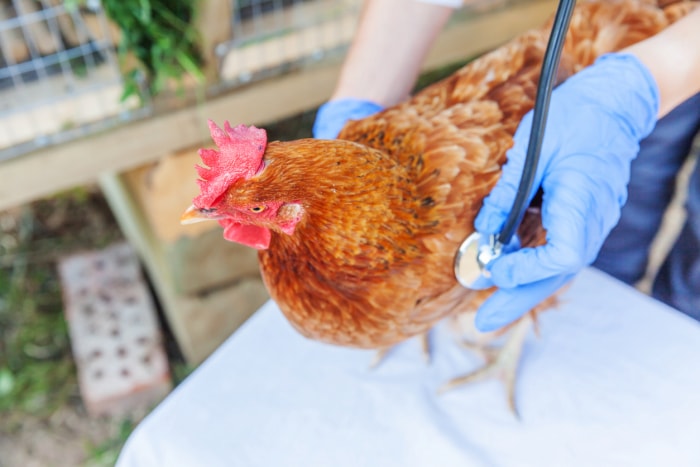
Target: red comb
(240,155)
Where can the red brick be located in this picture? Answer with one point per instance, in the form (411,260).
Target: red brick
(115,334)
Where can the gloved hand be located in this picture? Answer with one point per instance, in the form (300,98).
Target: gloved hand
(332,116)
(596,120)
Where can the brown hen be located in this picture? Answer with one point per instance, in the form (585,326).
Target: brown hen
(357,236)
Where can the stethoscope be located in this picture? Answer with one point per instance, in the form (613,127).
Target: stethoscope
(476,252)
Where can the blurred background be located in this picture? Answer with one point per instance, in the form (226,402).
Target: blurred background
(106,302)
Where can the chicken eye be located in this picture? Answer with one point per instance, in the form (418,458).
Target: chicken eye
(257,208)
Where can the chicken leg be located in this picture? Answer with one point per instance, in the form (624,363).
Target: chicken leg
(383,352)
(501,363)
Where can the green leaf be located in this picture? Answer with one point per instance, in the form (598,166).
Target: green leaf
(160,35)
(7,382)
(145,11)
(190,66)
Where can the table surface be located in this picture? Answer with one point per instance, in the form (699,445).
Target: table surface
(613,380)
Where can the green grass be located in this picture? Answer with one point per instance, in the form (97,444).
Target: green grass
(37,372)
(106,452)
(35,364)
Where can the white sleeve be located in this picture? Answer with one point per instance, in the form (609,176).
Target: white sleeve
(449,3)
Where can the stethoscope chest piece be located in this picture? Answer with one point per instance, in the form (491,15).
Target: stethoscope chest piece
(472,257)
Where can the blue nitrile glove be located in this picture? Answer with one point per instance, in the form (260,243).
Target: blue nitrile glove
(332,116)
(596,120)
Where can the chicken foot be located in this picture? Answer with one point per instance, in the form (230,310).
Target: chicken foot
(501,363)
(383,352)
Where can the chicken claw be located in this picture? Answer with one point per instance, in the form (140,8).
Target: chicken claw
(383,352)
(379,357)
(501,363)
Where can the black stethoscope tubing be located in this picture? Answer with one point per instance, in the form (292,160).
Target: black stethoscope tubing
(545,85)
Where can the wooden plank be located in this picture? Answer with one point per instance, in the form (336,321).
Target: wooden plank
(35,28)
(131,220)
(77,162)
(213,21)
(81,161)
(14,47)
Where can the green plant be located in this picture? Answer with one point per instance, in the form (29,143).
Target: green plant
(160,36)
(36,369)
(37,372)
(106,452)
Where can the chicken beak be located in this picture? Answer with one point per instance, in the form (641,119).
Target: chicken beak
(194,214)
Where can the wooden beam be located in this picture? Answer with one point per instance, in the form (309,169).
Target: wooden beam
(213,21)
(81,161)
(63,166)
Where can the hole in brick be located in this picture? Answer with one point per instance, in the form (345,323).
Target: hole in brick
(113,315)
(98,374)
(130,300)
(99,264)
(88,309)
(114,332)
(121,352)
(125,372)
(121,282)
(104,296)
(143,340)
(146,359)
(82,292)
(97,353)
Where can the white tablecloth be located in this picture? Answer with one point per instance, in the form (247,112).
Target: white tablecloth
(614,380)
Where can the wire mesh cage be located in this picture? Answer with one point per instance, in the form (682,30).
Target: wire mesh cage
(59,76)
(271,36)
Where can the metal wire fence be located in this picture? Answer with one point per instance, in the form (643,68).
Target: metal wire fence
(271,36)
(60,77)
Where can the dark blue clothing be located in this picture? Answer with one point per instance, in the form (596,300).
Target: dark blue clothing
(653,178)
